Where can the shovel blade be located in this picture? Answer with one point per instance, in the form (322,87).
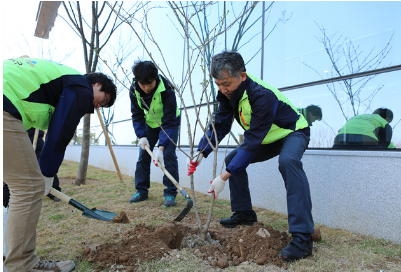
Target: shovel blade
(185,211)
(99,214)
(92,213)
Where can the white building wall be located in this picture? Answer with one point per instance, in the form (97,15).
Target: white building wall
(359,191)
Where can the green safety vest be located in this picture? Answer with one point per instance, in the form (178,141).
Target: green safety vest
(156,106)
(275,133)
(364,124)
(22,77)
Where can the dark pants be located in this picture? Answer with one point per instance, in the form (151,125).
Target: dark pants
(299,205)
(142,172)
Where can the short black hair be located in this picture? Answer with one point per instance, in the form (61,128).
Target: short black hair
(227,61)
(108,86)
(145,72)
(384,113)
(315,110)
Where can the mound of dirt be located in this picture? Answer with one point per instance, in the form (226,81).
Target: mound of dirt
(120,218)
(222,247)
(139,245)
(257,244)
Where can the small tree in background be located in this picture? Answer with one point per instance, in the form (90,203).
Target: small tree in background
(120,53)
(93,139)
(94,35)
(347,58)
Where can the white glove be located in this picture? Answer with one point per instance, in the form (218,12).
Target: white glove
(48,184)
(159,157)
(142,142)
(191,165)
(217,186)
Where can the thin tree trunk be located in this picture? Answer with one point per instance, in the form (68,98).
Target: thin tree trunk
(83,163)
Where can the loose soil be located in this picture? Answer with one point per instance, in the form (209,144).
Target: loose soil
(221,248)
(120,218)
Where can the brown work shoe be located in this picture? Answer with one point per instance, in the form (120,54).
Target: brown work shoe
(52,266)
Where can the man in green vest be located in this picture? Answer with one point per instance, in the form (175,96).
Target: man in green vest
(273,127)
(311,113)
(155,117)
(45,95)
(366,131)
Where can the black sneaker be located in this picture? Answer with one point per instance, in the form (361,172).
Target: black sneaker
(238,218)
(138,198)
(299,247)
(169,201)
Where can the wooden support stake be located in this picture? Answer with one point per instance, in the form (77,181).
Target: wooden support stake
(109,145)
(35,139)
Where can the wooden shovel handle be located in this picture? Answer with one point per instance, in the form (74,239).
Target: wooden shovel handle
(63,197)
(164,169)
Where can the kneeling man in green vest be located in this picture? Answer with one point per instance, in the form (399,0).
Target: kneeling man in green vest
(273,127)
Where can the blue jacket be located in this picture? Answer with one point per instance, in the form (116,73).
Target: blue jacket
(267,109)
(170,121)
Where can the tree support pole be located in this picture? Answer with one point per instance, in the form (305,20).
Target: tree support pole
(35,139)
(109,145)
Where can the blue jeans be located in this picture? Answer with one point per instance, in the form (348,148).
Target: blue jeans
(299,204)
(142,172)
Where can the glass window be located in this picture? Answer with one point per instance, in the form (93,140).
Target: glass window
(312,41)
(338,108)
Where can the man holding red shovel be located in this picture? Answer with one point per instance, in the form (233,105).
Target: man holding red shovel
(44,95)
(273,127)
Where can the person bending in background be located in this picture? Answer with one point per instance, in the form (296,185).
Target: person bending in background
(366,131)
(273,127)
(152,97)
(45,95)
(311,113)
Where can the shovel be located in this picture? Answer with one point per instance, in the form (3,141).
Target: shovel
(190,203)
(90,213)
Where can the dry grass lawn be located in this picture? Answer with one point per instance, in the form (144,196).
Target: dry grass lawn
(63,232)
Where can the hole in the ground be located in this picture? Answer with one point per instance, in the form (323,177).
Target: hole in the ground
(171,236)
(196,241)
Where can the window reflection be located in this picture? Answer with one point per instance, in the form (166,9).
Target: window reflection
(311,113)
(366,131)
(325,133)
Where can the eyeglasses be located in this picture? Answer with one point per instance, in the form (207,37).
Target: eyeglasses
(104,101)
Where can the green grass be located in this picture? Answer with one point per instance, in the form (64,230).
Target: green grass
(56,217)
(85,266)
(380,246)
